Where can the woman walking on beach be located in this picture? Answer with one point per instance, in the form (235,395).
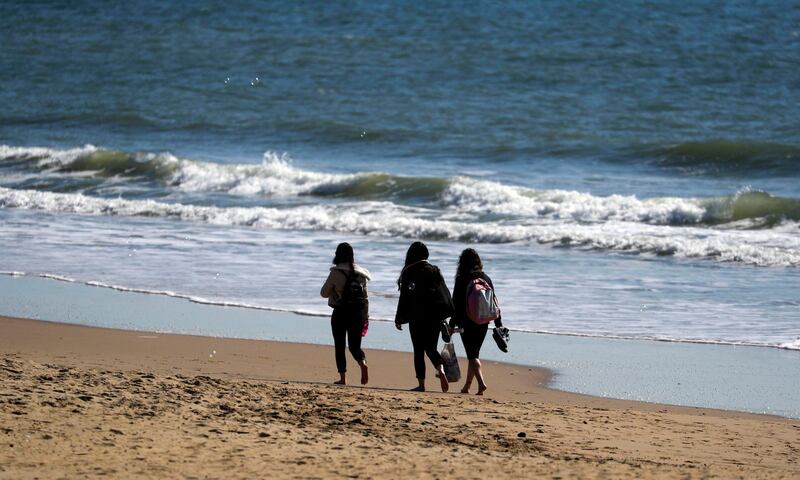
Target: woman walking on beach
(346,291)
(424,304)
(470,268)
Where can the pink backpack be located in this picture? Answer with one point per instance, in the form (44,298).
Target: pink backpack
(482,306)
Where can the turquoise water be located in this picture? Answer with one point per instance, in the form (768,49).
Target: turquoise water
(626,170)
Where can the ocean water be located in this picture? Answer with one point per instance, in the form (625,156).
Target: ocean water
(626,170)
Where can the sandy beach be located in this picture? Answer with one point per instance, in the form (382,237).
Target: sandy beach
(85,402)
(187,188)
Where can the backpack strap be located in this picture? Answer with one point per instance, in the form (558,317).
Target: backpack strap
(348,277)
(348,283)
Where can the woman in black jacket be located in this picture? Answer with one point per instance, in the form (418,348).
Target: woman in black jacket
(469,269)
(424,303)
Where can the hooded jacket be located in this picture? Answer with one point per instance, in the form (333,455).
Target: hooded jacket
(424,297)
(337,278)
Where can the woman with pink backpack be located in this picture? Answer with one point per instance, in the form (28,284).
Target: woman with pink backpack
(475,307)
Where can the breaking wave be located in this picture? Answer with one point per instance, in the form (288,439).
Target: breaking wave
(779,246)
(276,177)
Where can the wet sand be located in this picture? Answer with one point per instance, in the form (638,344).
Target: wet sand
(82,401)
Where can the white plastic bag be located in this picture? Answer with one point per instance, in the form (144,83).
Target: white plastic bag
(450,363)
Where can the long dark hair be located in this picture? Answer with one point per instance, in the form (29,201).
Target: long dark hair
(416,252)
(344,254)
(469,261)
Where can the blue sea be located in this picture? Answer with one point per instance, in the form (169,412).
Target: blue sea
(626,169)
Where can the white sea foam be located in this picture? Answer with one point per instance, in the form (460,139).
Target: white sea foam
(13,273)
(46,157)
(170,293)
(192,298)
(275,176)
(480,196)
(792,345)
(459,197)
(757,247)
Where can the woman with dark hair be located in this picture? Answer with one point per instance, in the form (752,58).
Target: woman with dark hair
(346,291)
(470,268)
(424,303)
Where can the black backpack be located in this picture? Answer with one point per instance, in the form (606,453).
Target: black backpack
(353,294)
(440,298)
(431,296)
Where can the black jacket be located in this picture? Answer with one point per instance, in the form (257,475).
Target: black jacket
(460,317)
(424,296)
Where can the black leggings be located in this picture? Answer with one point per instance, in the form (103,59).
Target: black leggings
(473,337)
(347,324)
(425,340)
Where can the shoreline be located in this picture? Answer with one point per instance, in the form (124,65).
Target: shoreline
(791,346)
(746,379)
(90,401)
(51,341)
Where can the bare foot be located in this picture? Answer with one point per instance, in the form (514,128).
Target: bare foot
(339,382)
(418,389)
(364,374)
(465,389)
(481,389)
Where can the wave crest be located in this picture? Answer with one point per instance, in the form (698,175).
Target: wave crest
(458,197)
(776,247)
(494,198)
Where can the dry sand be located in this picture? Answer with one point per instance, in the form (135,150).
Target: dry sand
(84,402)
